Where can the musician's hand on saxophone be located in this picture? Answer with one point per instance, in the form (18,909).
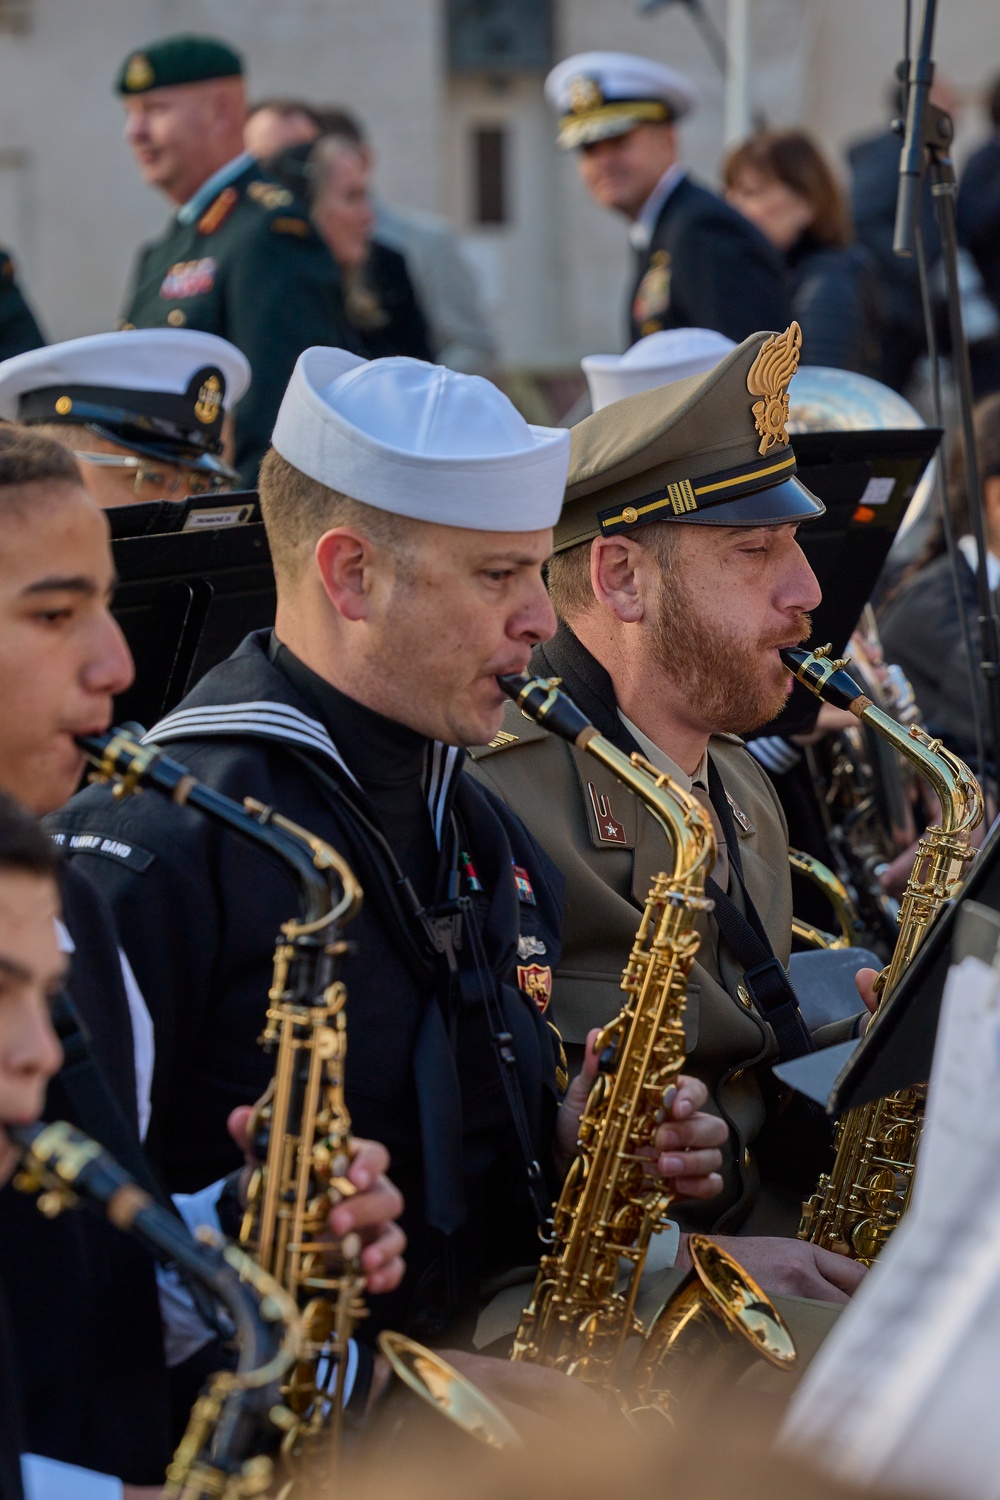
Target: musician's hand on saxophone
(686,1149)
(371,1212)
(865,979)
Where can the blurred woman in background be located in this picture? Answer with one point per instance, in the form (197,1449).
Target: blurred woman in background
(781,182)
(333,176)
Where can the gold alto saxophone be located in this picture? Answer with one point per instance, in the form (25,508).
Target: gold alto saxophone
(223,1454)
(582,1310)
(301,1128)
(858,1204)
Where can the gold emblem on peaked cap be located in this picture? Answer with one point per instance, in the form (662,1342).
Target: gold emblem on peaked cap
(776,363)
(585,94)
(206,408)
(139,73)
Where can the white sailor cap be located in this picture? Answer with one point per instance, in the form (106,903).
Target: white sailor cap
(162,392)
(600,94)
(421,441)
(659,358)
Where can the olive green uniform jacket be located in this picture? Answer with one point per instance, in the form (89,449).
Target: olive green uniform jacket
(252,269)
(608,848)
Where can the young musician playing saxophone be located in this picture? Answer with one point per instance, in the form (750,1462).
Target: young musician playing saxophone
(76,1286)
(409,511)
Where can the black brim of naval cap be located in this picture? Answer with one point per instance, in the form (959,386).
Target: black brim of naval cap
(777,505)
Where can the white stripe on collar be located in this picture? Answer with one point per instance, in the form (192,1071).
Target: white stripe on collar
(280,721)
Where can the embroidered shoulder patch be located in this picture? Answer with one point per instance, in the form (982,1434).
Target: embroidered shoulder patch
(122,852)
(218,211)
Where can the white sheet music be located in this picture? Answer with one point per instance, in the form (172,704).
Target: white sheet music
(904,1391)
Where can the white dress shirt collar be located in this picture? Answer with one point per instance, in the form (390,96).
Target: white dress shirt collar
(641,230)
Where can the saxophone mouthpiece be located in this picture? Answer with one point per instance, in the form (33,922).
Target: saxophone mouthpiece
(539,698)
(825,677)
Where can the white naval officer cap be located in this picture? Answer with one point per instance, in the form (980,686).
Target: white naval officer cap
(659,358)
(162,392)
(422,441)
(601,94)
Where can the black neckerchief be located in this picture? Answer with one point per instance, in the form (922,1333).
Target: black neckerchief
(380,751)
(591,687)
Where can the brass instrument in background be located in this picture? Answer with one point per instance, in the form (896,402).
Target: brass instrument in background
(239,1413)
(860,1201)
(840,899)
(582,1310)
(301,1129)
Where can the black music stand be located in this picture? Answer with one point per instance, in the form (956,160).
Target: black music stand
(866,480)
(187,596)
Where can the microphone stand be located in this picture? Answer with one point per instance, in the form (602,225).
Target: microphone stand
(926,148)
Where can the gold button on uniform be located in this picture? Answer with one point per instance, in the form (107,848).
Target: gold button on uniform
(743,996)
(630,514)
(176,318)
(747,1159)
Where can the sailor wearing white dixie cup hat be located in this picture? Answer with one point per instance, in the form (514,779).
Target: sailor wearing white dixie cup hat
(144,411)
(699,264)
(659,358)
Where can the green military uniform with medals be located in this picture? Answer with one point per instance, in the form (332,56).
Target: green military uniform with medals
(240,259)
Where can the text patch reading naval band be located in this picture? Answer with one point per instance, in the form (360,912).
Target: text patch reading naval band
(122,852)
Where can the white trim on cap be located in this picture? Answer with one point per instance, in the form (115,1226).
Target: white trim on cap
(518,488)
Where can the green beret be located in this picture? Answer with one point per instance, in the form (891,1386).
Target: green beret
(177,59)
(711,449)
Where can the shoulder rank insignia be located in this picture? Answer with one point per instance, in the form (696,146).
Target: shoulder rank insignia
(536,983)
(525,894)
(269,195)
(609,830)
(189,278)
(501,738)
(218,211)
(299,227)
(776,363)
(652,295)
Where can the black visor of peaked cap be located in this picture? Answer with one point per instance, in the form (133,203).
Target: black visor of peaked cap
(192,418)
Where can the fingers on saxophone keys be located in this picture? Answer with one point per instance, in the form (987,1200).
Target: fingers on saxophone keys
(689,1163)
(379,1206)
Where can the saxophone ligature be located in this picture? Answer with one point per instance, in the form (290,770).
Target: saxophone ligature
(582,1311)
(860,1201)
(224,1453)
(301,1128)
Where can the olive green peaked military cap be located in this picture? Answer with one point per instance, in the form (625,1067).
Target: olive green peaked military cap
(712,449)
(177,59)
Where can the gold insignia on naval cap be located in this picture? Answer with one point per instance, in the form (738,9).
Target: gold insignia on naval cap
(64,406)
(206,408)
(584,93)
(769,376)
(138,73)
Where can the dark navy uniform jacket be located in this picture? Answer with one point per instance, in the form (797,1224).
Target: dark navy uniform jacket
(18,329)
(251,269)
(83,1314)
(199,913)
(706,267)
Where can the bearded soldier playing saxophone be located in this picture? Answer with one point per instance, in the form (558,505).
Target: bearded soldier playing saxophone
(676,578)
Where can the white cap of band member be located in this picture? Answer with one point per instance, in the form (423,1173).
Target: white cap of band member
(421,441)
(135,359)
(601,94)
(658,359)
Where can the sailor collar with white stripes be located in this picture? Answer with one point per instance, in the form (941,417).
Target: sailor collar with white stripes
(270,720)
